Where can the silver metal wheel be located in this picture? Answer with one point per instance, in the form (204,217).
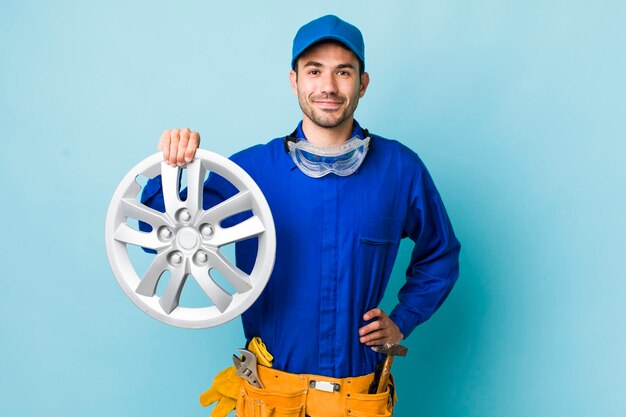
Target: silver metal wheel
(188,239)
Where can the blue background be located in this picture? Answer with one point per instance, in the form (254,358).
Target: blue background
(517,108)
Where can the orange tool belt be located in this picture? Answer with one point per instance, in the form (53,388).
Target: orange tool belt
(296,395)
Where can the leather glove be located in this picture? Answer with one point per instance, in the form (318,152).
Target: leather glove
(263,356)
(224,390)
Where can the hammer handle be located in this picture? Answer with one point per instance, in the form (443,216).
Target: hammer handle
(384,376)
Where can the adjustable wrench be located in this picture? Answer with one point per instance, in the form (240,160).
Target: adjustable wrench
(247,367)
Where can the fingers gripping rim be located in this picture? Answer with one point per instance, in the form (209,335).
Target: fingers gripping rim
(187,239)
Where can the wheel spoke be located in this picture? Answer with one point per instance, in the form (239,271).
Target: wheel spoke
(126,234)
(169,181)
(171,295)
(150,280)
(237,278)
(238,203)
(244,230)
(195,186)
(135,210)
(220,298)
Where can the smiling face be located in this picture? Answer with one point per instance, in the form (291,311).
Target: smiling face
(328,85)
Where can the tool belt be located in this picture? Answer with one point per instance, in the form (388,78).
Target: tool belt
(296,395)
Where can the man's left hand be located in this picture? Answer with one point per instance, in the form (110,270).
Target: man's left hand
(382,330)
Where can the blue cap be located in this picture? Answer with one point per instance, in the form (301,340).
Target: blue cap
(325,28)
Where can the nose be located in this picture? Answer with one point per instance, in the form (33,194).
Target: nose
(328,83)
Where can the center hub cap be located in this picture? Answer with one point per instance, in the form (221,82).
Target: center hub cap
(187,238)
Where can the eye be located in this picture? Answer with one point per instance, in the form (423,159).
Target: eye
(314,72)
(343,73)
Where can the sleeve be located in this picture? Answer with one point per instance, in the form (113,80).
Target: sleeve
(152,196)
(434,265)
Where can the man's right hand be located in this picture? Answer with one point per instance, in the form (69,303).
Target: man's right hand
(179,146)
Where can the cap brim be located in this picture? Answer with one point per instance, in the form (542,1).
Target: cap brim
(327,38)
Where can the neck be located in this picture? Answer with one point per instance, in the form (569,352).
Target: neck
(327,136)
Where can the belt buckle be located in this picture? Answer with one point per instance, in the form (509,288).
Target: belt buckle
(324,386)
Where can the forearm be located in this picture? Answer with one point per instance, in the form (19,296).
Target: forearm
(426,288)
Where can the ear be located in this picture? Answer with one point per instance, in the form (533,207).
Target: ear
(365,81)
(293,80)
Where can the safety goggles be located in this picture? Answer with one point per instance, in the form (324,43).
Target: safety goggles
(317,161)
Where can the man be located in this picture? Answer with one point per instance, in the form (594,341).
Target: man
(342,199)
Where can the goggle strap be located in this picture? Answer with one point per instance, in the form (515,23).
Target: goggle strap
(292,138)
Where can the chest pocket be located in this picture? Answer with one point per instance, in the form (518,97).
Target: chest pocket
(377,231)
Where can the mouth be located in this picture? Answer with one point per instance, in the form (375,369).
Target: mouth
(328,104)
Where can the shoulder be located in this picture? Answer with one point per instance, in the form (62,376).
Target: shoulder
(255,152)
(395,153)
(262,158)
